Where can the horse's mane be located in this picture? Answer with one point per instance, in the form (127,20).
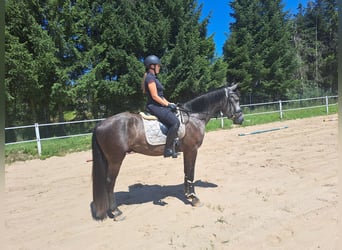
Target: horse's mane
(201,103)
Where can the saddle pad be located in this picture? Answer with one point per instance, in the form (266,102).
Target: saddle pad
(154,134)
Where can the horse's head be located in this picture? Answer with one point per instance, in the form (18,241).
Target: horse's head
(232,109)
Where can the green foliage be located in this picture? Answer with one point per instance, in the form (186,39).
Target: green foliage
(86,56)
(56,147)
(21,152)
(69,115)
(315,40)
(259,51)
(31,65)
(277,56)
(61,147)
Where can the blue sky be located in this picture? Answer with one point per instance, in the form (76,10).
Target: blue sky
(220,18)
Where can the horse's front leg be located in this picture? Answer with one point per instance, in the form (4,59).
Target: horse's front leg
(189,173)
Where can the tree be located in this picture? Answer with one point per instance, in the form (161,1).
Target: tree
(124,32)
(29,65)
(259,51)
(191,68)
(113,69)
(316,44)
(87,55)
(67,24)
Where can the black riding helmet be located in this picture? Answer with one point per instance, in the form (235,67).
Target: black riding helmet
(151,59)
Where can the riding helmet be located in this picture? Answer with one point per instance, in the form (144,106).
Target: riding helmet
(151,59)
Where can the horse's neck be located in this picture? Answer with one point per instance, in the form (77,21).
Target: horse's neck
(208,111)
(212,110)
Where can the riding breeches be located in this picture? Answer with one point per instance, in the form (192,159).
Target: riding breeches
(165,115)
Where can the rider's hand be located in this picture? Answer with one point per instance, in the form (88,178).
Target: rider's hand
(172,106)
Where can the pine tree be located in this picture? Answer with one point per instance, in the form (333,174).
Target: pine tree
(316,45)
(191,68)
(259,51)
(67,25)
(88,55)
(124,32)
(30,65)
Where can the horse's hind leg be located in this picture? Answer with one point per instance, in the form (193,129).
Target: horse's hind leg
(113,171)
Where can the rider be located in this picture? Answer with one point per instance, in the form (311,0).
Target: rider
(158,105)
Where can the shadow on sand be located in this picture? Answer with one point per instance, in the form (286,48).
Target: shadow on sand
(141,193)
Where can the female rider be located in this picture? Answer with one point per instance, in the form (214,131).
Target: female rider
(158,105)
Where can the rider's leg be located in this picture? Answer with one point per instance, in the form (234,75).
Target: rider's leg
(173,124)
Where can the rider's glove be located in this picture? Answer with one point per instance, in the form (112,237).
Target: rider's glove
(172,106)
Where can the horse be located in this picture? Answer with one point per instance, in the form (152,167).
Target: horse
(124,132)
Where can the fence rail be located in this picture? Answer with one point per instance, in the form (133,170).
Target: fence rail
(278,107)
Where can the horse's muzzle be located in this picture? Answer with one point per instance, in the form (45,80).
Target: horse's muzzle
(238,118)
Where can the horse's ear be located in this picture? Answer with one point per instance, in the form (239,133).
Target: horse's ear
(234,86)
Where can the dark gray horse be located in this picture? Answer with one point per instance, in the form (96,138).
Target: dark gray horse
(124,132)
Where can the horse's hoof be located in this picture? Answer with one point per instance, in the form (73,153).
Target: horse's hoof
(115,214)
(96,216)
(195,202)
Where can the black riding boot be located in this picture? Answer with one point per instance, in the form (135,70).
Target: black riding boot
(169,146)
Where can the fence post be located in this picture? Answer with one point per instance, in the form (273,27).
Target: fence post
(221,119)
(281,109)
(327,104)
(39,146)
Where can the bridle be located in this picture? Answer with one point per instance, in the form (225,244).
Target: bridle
(235,112)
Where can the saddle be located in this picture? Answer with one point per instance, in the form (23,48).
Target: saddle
(155,131)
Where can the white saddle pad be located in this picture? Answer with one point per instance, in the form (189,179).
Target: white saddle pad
(155,136)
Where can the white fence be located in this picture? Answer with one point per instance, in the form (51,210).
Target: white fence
(282,104)
(271,107)
(38,138)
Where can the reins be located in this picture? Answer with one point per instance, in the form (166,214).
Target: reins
(181,111)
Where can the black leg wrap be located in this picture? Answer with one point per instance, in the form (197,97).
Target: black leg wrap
(189,189)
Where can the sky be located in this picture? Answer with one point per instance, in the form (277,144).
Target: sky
(220,18)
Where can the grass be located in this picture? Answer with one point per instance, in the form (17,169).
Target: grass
(55,147)
(255,119)
(21,152)
(61,147)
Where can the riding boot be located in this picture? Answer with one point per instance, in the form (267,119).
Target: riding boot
(169,146)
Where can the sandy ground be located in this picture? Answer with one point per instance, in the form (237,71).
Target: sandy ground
(273,190)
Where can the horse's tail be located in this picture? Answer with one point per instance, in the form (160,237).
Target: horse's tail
(100,204)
